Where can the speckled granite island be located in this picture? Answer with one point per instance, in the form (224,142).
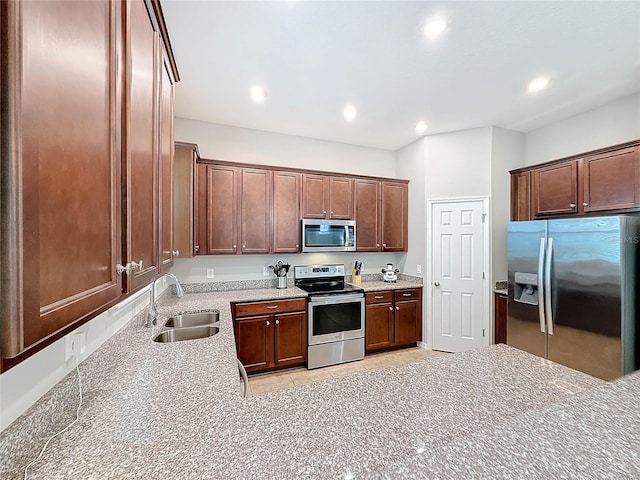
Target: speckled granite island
(175,411)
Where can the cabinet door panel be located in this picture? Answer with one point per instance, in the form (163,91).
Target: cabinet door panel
(555,189)
(500,310)
(254,342)
(394,216)
(184,201)
(408,322)
(340,198)
(256,210)
(315,196)
(222,209)
(166,168)
(367,215)
(521,197)
(286,212)
(612,180)
(62,169)
(379,326)
(290,338)
(141,146)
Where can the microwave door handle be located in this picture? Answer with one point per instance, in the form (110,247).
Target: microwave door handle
(547,287)
(346,235)
(541,285)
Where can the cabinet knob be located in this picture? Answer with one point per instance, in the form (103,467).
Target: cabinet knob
(277,322)
(324,212)
(234,246)
(175,252)
(331,212)
(390,308)
(573,205)
(197,247)
(585,204)
(297,245)
(437,284)
(244,245)
(377,245)
(268,323)
(384,245)
(397,308)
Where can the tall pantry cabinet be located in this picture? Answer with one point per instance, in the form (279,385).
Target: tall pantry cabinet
(82,131)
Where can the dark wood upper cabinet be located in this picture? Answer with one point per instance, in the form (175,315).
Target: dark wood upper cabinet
(61,172)
(140,145)
(185,201)
(521,196)
(555,189)
(286,212)
(611,181)
(256,210)
(315,196)
(603,181)
(394,216)
(340,198)
(222,203)
(327,197)
(367,198)
(166,166)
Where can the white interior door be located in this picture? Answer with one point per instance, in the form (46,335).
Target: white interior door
(457,263)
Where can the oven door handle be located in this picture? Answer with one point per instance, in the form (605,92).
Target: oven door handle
(332,299)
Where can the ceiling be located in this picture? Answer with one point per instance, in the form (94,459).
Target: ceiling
(315,57)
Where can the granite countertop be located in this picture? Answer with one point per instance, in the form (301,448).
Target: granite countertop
(501,291)
(377,286)
(175,411)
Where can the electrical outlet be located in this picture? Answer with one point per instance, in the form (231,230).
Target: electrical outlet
(210,273)
(74,345)
(418,268)
(265,270)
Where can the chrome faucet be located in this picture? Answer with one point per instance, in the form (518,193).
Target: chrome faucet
(152,318)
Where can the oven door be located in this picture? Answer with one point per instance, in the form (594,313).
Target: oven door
(336,317)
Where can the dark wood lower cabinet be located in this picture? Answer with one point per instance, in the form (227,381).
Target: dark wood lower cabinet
(266,340)
(393,319)
(500,311)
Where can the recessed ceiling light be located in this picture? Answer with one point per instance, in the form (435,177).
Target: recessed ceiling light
(350,113)
(258,94)
(421,127)
(538,84)
(435,27)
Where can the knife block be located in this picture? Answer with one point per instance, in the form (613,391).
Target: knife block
(356,279)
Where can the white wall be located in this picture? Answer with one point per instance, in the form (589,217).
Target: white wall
(507,153)
(411,165)
(24,384)
(234,144)
(615,122)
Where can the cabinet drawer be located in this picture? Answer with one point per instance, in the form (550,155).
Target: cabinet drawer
(276,306)
(379,297)
(407,294)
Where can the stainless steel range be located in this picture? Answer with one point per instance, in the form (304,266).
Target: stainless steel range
(336,314)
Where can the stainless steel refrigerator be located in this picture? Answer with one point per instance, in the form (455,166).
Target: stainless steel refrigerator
(574,292)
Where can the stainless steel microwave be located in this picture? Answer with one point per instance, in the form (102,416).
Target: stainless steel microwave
(328,236)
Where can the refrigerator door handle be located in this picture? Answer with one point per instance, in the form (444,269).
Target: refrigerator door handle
(543,244)
(547,287)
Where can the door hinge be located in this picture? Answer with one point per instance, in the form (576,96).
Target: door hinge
(483,332)
(484,217)
(483,275)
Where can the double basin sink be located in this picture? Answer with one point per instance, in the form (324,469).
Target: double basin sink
(189,326)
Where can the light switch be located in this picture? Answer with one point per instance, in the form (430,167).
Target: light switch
(210,273)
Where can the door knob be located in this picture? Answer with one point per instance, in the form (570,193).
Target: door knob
(437,284)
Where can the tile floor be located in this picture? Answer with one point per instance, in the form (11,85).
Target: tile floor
(269,382)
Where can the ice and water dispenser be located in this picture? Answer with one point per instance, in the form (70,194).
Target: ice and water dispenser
(525,288)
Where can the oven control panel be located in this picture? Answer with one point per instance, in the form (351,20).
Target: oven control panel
(318,271)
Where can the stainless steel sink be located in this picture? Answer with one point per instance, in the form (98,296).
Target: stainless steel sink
(193,319)
(186,333)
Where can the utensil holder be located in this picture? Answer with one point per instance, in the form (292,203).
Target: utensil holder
(356,279)
(282,282)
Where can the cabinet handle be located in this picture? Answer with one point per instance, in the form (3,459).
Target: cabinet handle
(297,245)
(572,205)
(585,204)
(277,322)
(123,269)
(135,265)
(397,308)
(384,245)
(331,212)
(244,245)
(271,307)
(390,308)
(324,212)
(197,247)
(406,294)
(268,323)
(234,246)
(378,296)
(175,252)
(377,245)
